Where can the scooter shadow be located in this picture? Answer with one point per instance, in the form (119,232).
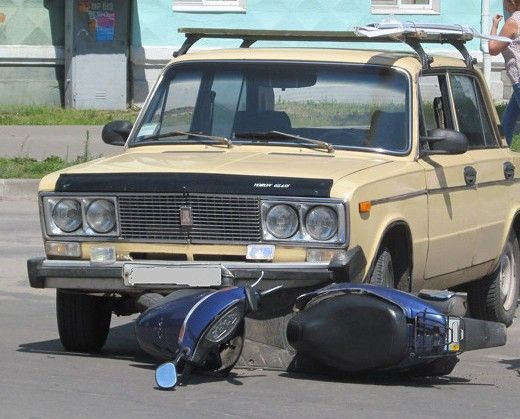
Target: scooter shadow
(121,344)
(385,380)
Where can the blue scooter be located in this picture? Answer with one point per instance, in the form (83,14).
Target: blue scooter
(198,329)
(352,328)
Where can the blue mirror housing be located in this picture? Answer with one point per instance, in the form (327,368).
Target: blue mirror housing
(166,376)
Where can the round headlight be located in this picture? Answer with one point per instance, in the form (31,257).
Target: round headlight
(282,221)
(225,325)
(101,216)
(321,223)
(66,214)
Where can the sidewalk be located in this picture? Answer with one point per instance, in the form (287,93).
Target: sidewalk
(65,141)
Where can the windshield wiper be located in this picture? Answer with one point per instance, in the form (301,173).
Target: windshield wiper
(221,140)
(269,135)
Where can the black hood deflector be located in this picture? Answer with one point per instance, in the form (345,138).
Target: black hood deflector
(194,183)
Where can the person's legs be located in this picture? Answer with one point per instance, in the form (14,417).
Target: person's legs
(511,114)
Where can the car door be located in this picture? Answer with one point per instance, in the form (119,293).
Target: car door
(494,168)
(451,189)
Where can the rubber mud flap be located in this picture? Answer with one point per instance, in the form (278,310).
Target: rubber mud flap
(481,334)
(351,332)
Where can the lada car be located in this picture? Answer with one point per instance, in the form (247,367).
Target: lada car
(303,166)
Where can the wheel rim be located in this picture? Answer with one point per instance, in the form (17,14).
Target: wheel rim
(508,279)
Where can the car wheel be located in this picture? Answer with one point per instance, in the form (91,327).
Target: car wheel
(383,273)
(495,297)
(83,321)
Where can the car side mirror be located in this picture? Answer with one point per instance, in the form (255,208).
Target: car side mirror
(116,132)
(444,141)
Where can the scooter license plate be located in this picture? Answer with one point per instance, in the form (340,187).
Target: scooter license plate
(455,334)
(163,275)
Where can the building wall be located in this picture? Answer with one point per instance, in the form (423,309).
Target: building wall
(32,33)
(31,51)
(155,37)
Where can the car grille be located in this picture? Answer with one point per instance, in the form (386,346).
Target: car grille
(216,218)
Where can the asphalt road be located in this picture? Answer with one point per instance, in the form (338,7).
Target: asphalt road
(65,141)
(38,379)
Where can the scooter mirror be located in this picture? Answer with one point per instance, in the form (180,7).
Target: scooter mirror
(166,376)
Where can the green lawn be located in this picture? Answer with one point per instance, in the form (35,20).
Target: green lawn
(28,168)
(45,115)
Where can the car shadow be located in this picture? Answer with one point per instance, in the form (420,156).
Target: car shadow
(121,344)
(512,364)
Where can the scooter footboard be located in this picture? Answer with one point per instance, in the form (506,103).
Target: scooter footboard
(480,334)
(349,332)
(265,344)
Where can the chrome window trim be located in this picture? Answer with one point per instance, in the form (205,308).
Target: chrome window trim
(410,99)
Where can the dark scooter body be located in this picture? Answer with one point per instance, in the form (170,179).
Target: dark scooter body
(362,328)
(349,328)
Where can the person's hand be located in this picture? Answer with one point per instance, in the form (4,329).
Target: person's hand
(496,19)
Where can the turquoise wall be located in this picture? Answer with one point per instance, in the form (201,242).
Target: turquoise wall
(32,22)
(155,23)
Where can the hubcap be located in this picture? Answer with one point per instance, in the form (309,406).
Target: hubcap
(507,278)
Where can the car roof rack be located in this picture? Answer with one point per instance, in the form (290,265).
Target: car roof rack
(409,33)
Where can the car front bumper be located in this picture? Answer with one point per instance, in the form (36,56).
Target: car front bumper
(85,276)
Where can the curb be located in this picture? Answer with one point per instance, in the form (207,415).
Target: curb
(18,189)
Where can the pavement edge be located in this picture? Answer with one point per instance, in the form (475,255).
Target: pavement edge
(18,189)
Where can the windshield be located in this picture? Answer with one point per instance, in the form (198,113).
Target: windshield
(346,106)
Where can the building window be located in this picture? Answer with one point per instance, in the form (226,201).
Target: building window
(406,7)
(209,6)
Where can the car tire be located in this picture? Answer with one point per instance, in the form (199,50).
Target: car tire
(383,273)
(495,297)
(83,321)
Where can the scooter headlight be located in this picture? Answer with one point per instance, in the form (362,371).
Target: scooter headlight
(224,326)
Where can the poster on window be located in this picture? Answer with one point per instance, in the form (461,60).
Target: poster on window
(105,24)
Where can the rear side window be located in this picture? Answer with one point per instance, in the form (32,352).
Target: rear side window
(470,111)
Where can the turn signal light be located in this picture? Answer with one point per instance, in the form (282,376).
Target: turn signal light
(365,207)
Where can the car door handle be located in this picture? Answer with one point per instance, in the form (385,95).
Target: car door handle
(470,176)
(509,170)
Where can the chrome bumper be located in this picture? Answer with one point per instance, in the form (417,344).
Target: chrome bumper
(87,276)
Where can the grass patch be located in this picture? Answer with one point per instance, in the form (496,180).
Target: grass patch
(45,115)
(515,146)
(29,168)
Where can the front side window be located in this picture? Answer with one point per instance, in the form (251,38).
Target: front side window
(435,105)
(406,6)
(358,107)
(471,114)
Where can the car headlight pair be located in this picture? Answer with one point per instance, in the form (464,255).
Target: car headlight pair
(315,222)
(80,216)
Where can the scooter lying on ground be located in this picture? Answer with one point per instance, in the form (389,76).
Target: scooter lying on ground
(352,328)
(201,329)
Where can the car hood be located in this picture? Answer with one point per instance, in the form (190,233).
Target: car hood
(296,163)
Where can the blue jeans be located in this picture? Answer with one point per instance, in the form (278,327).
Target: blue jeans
(511,114)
